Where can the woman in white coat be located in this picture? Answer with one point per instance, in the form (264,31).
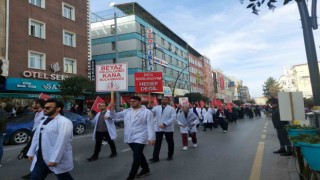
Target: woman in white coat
(187,120)
(208,118)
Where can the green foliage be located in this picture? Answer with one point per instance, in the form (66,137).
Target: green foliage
(271,88)
(299,126)
(256,4)
(196,97)
(238,102)
(251,101)
(308,103)
(306,138)
(76,86)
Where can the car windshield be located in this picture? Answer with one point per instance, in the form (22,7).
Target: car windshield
(21,118)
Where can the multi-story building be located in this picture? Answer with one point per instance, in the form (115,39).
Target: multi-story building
(126,41)
(207,78)
(246,94)
(44,42)
(196,71)
(297,78)
(237,85)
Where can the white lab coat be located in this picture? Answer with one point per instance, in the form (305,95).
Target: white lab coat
(55,143)
(208,115)
(192,119)
(138,124)
(110,126)
(167,117)
(201,112)
(37,119)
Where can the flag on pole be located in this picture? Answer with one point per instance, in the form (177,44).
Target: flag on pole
(44,96)
(96,103)
(155,102)
(123,103)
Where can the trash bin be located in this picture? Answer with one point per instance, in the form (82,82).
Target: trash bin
(310,117)
(316,117)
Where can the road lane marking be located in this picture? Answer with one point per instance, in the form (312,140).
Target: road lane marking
(263,136)
(264,131)
(257,164)
(125,150)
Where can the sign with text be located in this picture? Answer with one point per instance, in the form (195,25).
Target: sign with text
(184,101)
(148,82)
(112,77)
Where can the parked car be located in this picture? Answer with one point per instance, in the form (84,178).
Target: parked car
(19,128)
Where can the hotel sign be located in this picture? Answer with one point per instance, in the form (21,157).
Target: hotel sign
(41,75)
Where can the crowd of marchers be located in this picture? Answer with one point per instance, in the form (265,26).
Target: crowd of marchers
(50,151)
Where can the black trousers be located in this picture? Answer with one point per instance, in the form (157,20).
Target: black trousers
(283,139)
(223,124)
(138,159)
(99,137)
(157,146)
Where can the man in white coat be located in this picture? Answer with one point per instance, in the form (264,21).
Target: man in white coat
(165,115)
(188,120)
(51,149)
(103,129)
(138,131)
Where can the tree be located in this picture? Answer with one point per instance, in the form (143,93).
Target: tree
(308,103)
(196,97)
(75,86)
(251,101)
(256,4)
(238,102)
(271,88)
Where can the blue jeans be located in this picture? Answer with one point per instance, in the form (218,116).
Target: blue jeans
(1,147)
(41,170)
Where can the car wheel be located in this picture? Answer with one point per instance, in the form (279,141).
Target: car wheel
(79,129)
(19,137)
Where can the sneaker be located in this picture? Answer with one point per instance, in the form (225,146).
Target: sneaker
(27,176)
(104,143)
(0,165)
(153,160)
(185,148)
(279,151)
(169,158)
(113,155)
(143,173)
(92,158)
(195,145)
(189,138)
(224,131)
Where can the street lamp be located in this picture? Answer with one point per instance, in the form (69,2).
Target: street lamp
(113,4)
(175,83)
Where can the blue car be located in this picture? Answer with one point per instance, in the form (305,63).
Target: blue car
(19,128)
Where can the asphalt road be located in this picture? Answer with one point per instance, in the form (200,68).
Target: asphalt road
(244,152)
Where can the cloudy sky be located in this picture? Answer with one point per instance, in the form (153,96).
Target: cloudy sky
(249,47)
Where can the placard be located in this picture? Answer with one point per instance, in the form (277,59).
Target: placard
(146,82)
(112,77)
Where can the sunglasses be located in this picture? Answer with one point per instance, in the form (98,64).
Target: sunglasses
(47,108)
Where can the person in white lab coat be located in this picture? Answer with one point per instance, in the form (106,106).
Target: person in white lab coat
(51,149)
(138,131)
(208,117)
(103,129)
(164,115)
(188,120)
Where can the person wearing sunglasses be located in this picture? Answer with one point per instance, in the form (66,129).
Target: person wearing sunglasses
(51,149)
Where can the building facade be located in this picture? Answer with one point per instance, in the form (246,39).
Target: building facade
(126,41)
(46,42)
(207,78)
(196,71)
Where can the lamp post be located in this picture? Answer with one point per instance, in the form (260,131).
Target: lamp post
(113,4)
(175,83)
(309,23)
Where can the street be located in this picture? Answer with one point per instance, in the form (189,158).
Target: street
(244,152)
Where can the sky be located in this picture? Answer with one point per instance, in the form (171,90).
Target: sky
(249,47)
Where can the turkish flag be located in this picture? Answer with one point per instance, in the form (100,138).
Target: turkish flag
(44,96)
(96,103)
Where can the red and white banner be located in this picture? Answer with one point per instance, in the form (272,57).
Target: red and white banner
(96,103)
(44,96)
(222,83)
(148,82)
(112,77)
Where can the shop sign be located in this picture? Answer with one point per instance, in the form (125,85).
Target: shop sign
(21,84)
(41,75)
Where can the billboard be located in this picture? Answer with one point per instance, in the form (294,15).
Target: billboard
(112,77)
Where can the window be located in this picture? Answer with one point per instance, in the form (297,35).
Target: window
(69,39)
(40,3)
(37,29)
(143,46)
(113,29)
(36,60)
(113,45)
(68,11)
(171,72)
(70,66)
(170,59)
(162,41)
(163,56)
(177,62)
(142,29)
(164,69)
(169,48)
